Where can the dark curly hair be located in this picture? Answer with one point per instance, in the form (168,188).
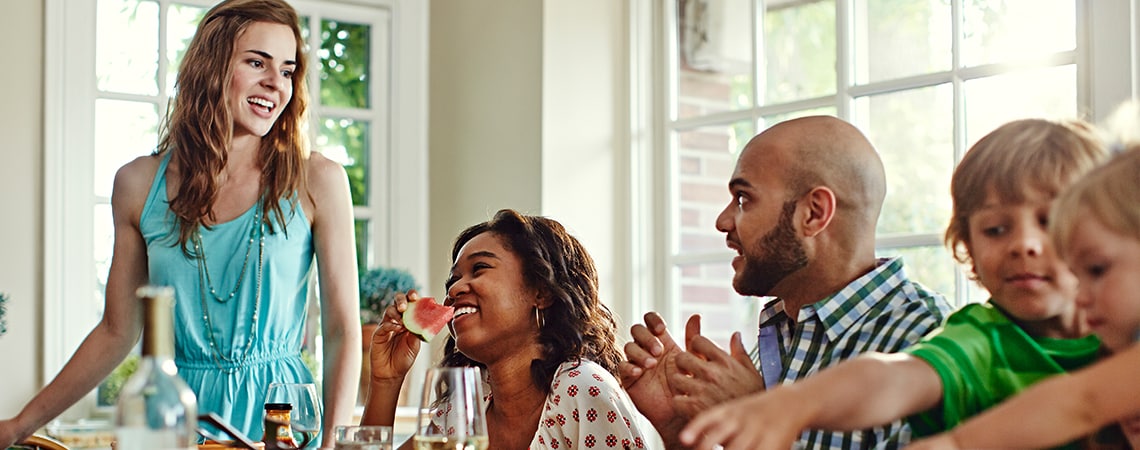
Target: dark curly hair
(577,326)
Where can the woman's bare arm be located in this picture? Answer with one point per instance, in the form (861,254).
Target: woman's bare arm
(335,246)
(118,330)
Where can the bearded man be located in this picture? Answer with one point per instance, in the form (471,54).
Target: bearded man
(806,197)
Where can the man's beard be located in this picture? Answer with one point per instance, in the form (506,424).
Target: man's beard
(778,254)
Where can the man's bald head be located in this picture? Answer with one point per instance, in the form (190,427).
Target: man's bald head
(826,151)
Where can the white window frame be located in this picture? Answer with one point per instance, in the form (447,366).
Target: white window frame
(1108,57)
(398,175)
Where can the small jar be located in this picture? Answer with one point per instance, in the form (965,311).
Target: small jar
(279,412)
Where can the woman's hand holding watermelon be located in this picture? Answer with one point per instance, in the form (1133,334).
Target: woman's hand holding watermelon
(393,352)
(394,348)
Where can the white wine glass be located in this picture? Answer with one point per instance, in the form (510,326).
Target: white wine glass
(451,414)
(305,417)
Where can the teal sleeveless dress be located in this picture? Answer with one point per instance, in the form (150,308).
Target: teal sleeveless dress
(254,338)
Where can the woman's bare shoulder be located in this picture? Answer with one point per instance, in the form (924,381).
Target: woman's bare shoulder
(142,168)
(327,181)
(325,176)
(133,180)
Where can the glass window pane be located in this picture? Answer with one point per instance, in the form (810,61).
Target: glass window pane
(346,141)
(123,131)
(799,51)
(913,131)
(932,266)
(900,38)
(706,289)
(362,235)
(305,38)
(700,93)
(104,242)
(990,102)
(1009,30)
(181,23)
(126,50)
(975,293)
(705,160)
(305,32)
(716,56)
(345,64)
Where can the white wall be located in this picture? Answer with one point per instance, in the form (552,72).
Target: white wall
(528,111)
(584,139)
(1111,79)
(485,117)
(21,200)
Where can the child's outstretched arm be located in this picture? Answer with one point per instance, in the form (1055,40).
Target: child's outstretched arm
(1054,411)
(871,390)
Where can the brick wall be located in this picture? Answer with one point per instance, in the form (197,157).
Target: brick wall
(703,163)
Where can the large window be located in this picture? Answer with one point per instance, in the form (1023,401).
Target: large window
(111,71)
(923,79)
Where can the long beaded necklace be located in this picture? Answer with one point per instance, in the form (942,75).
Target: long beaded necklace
(203,269)
(256,232)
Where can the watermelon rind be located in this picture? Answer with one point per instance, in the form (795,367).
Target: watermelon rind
(426,318)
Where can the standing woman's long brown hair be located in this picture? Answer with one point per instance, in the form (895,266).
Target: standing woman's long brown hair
(199,126)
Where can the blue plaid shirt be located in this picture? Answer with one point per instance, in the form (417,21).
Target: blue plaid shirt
(880,311)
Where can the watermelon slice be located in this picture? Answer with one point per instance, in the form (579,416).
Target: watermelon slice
(425,318)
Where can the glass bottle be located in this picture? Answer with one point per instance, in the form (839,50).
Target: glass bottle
(156,409)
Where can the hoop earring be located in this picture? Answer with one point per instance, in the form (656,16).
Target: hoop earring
(538,318)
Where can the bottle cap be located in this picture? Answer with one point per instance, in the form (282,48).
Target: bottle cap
(279,406)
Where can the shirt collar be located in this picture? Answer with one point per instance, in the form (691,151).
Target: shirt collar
(773,306)
(839,311)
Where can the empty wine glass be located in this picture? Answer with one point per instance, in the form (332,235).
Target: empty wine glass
(451,413)
(305,417)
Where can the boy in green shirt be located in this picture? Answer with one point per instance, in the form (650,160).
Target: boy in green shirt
(1096,228)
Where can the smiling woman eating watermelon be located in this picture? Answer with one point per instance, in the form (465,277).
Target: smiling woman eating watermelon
(526,309)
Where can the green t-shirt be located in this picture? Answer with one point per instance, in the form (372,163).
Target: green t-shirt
(983,358)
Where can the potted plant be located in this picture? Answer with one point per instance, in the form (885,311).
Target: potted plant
(108,391)
(378,289)
(3,312)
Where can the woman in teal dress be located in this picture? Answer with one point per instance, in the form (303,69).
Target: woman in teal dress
(230,211)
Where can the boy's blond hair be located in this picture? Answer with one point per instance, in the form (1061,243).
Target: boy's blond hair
(1019,157)
(1108,195)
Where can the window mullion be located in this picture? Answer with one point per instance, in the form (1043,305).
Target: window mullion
(382,161)
(757,55)
(900,84)
(663,163)
(69,87)
(844,79)
(163,63)
(961,283)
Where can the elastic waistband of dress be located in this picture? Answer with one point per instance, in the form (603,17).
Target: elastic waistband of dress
(251,361)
